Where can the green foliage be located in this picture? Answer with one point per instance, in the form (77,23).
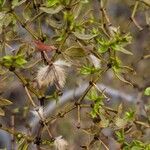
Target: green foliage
(116,43)
(147,91)
(6,19)
(120,136)
(16,3)
(23,144)
(75,52)
(97,102)
(129,115)
(84,36)
(2,2)
(52,10)
(13,61)
(87,70)
(50,3)
(136,145)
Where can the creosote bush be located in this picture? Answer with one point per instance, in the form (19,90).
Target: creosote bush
(51,49)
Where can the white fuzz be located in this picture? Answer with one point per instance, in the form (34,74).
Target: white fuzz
(62,63)
(60,143)
(113,30)
(95,61)
(54,74)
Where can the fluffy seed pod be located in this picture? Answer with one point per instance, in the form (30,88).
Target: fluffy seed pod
(52,74)
(60,143)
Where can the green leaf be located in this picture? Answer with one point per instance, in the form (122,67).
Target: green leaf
(52,10)
(20,62)
(7,58)
(95,110)
(2,113)
(86,70)
(129,115)
(2,2)
(116,63)
(92,95)
(4,102)
(121,49)
(82,36)
(50,3)
(103,45)
(16,61)
(23,145)
(16,3)
(75,51)
(103,49)
(147,91)
(122,79)
(55,24)
(120,136)
(136,148)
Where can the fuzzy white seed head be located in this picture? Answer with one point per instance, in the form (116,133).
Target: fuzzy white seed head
(62,63)
(113,30)
(60,143)
(54,74)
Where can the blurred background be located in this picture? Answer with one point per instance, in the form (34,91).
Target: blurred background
(23,116)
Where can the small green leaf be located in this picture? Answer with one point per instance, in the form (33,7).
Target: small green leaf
(120,136)
(16,3)
(147,91)
(75,51)
(84,36)
(121,49)
(55,24)
(129,115)
(86,70)
(7,58)
(52,10)
(23,145)
(50,3)
(122,79)
(20,62)
(103,45)
(92,95)
(4,102)
(16,61)
(103,49)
